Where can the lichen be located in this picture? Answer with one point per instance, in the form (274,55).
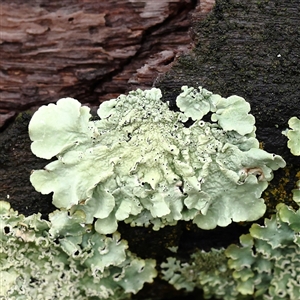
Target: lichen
(293,135)
(293,144)
(64,259)
(265,266)
(141,163)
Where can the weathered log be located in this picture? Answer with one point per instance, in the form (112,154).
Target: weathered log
(89,50)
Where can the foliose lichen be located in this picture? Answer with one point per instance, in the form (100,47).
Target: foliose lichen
(65,259)
(265,266)
(293,135)
(293,144)
(141,163)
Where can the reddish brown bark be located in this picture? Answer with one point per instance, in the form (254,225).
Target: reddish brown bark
(90,50)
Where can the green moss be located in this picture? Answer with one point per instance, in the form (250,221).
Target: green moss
(280,189)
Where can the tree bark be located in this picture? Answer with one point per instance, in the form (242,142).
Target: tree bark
(89,50)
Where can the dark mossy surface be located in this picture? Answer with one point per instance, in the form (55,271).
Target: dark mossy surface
(250,48)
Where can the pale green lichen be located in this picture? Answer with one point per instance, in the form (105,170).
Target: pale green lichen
(293,144)
(64,259)
(265,266)
(293,135)
(296,193)
(141,164)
